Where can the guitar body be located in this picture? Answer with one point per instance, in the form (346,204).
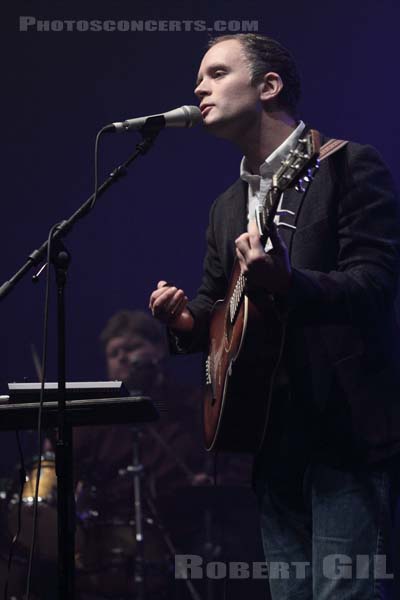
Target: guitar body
(240,367)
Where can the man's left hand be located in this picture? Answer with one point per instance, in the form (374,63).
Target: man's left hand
(269,271)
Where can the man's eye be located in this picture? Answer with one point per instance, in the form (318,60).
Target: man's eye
(219,74)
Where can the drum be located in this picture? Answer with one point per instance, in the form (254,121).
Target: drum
(42,587)
(46,533)
(105,556)
(105,541)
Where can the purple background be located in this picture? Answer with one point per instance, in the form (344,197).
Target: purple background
(60,88)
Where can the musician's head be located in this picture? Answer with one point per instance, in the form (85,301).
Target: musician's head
(242,75)
(135,348)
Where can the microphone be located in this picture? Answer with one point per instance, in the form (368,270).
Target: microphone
(185,116)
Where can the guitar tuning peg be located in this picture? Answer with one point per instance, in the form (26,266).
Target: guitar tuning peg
(300,186)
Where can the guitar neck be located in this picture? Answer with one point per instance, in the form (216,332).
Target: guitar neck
(265,215)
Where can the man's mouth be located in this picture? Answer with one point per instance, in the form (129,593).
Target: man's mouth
(205,109)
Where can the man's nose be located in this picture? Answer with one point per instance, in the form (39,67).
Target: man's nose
(201,90)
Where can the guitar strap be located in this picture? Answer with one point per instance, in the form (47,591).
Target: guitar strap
(330,147)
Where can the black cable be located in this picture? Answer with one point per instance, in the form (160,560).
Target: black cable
(96,164)
(22,480)
(39,425)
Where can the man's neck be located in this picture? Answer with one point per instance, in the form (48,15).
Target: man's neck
(273,130)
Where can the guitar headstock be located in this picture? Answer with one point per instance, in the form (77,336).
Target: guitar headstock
(299,167)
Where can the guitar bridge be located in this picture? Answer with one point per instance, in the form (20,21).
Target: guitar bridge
(209,380)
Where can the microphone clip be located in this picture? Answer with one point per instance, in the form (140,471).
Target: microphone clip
(149,137)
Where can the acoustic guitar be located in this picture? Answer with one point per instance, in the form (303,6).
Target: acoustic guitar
(247,330)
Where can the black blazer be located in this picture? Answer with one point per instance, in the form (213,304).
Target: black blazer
(343,343)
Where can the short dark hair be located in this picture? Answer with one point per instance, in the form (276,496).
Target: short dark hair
(134,322)
(265,54)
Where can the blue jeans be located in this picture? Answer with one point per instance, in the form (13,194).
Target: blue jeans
(328,533)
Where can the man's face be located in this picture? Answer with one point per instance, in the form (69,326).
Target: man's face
(228,101)
(133,360)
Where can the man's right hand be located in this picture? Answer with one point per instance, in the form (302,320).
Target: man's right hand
(168,305)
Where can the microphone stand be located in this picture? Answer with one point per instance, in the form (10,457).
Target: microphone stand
(139,565)
(64,459)
(36,256)
(64,465)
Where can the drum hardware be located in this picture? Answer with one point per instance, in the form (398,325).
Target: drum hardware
(121,557)
(141,535)
(152,507)
(137,469)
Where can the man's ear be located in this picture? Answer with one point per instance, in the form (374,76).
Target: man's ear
(270,86)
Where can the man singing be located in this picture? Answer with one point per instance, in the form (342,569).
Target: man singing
(326,475)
